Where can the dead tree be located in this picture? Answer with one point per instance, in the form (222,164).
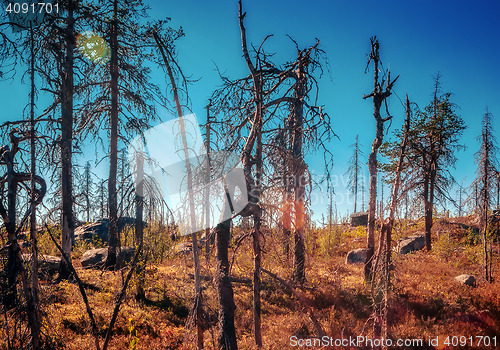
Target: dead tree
(486,175)
(379,95)
(15,262)
(254,111)
(139,227)
(167,57)
(354,170)
(381,269)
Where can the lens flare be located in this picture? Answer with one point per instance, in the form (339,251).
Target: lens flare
(93,47)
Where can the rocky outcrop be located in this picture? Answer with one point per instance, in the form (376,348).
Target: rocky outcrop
(99,230)
(356,256)
(359,219)
(410,244)
(467,280)
(96,257)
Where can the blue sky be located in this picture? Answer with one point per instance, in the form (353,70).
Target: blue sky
(459,39)
(417,39)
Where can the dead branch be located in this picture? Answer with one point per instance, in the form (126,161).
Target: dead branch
(80,287)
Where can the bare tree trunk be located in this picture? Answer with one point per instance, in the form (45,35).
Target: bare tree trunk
(299,273)
(139,229)
(429,207)
(208,238)
(390,223)
(227,333)
(113,143)
(257,250)
(197,281)
(254,187)
(15,262)
(67,220)
(33,231)
(378,97)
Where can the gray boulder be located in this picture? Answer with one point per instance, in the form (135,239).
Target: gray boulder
(93,231)
(467,280)
(410,244)
(99,230)
(359,219)
(356,256)
(96,257)
(47,264)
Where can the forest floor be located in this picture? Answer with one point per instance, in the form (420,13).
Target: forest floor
(425,300)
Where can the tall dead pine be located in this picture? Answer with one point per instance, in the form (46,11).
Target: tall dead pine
(381,270)
(167,56)
(379,95)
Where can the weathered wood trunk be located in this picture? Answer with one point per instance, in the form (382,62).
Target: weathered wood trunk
(139,227)
(113,240)
(192,215)
(299,272)
(67,220)
(225,298)
(378,98)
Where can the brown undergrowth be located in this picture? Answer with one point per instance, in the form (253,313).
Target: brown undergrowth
(425,300)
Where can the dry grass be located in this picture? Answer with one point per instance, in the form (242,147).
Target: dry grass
(425,300)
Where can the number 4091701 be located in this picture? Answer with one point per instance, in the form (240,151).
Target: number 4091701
(40,7)
(479,340)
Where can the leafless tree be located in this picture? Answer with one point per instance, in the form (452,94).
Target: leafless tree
(486,159)
(379,95)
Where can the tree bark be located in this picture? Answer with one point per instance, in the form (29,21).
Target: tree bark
(15,262)
(33,232)
(198,304)
(299,274)
(225,298)
(139,229)
(378,98)
(113,240)
(67,219)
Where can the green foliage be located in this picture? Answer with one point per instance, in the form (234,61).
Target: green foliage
(45,244)
(132,331)
(446,247)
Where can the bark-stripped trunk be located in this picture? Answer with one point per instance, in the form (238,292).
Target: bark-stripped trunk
(67,220)
(208,237)
(253,187)
(299,273)
(378,98)
(390,223)
(139,229)
(113,143)
(185,148)
(33,233)
(486,199)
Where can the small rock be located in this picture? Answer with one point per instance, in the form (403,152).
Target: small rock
(467,280)
(410,244)
(356,256)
